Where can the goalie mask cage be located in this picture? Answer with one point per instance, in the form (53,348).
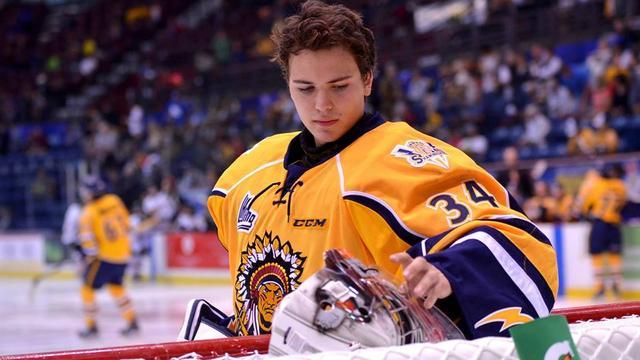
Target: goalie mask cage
(608,331)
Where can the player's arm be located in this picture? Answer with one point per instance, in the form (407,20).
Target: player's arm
(88,240)
(487,262)
(493,283)
(492,264)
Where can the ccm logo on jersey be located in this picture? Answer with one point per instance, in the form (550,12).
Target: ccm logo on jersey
(418,153)
(246,217)
(507,316)
(309,223)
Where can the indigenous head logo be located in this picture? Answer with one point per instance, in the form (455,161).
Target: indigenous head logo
(268,270)
(419,153)
(246,217)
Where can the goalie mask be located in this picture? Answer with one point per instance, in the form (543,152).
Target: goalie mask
(347,306)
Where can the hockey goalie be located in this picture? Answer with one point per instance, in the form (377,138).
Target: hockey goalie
(344,306)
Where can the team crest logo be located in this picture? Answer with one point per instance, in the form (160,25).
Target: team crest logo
(269,269)
(419,153)
(246,217)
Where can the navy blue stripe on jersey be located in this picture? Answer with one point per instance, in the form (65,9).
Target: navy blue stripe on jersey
(514,205)
(388,216)
(460,265)
(525,264)
(522,224)
(526,226)
(216,192)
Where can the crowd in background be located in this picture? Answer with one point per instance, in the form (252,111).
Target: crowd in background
(173,134)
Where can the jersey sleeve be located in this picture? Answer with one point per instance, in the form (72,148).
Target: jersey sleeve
(216,209)
(501,267)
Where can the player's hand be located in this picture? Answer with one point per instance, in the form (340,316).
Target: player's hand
(89,259)
(422,279)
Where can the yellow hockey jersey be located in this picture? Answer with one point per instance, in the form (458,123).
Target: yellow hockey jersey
(104,228)
(388,188)
(606,199)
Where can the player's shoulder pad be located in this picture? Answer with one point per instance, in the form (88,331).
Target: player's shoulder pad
(268,151)
(396,153)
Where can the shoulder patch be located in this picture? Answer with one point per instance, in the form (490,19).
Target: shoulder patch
(246,216)
(418,153)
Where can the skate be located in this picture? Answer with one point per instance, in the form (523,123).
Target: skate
(131,329)
(89,332)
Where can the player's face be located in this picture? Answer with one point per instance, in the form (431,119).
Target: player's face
(328,91)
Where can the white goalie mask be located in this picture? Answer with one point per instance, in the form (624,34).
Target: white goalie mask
(347,306)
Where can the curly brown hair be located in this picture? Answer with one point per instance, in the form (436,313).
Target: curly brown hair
(321,26)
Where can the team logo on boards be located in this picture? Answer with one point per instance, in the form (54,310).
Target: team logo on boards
(269,269)
(419,153)
(246,216)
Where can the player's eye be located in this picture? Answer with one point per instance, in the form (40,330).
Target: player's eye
(306,90)
(340,87)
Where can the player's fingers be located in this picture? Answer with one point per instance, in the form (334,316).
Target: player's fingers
(401,258)
(409,271)
(416,270)
(425,285)
(441,289)
(429,301)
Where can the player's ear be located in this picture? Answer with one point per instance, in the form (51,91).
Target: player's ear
(368,82)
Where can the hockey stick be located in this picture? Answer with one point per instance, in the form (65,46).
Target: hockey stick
(50,271)
(37,279)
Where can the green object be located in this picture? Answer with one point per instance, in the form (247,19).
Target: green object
(54,251)
(546,338)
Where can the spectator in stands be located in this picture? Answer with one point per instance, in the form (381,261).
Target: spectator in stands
(621,91)
(544,64)
(389,89)
(541,207)
(595,137)
(189,220)
(624,36)
(135,122)
(433,124)
(598,61)
(559,100)
(105,139)
(605,138)
(416,90)
(632,184)
(473,143)
(536,127)
(581,141)
(563,203)
(600,97)
(158,208)
(516,180)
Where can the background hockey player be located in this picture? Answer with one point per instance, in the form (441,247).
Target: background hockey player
(104,228)
(604,199)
